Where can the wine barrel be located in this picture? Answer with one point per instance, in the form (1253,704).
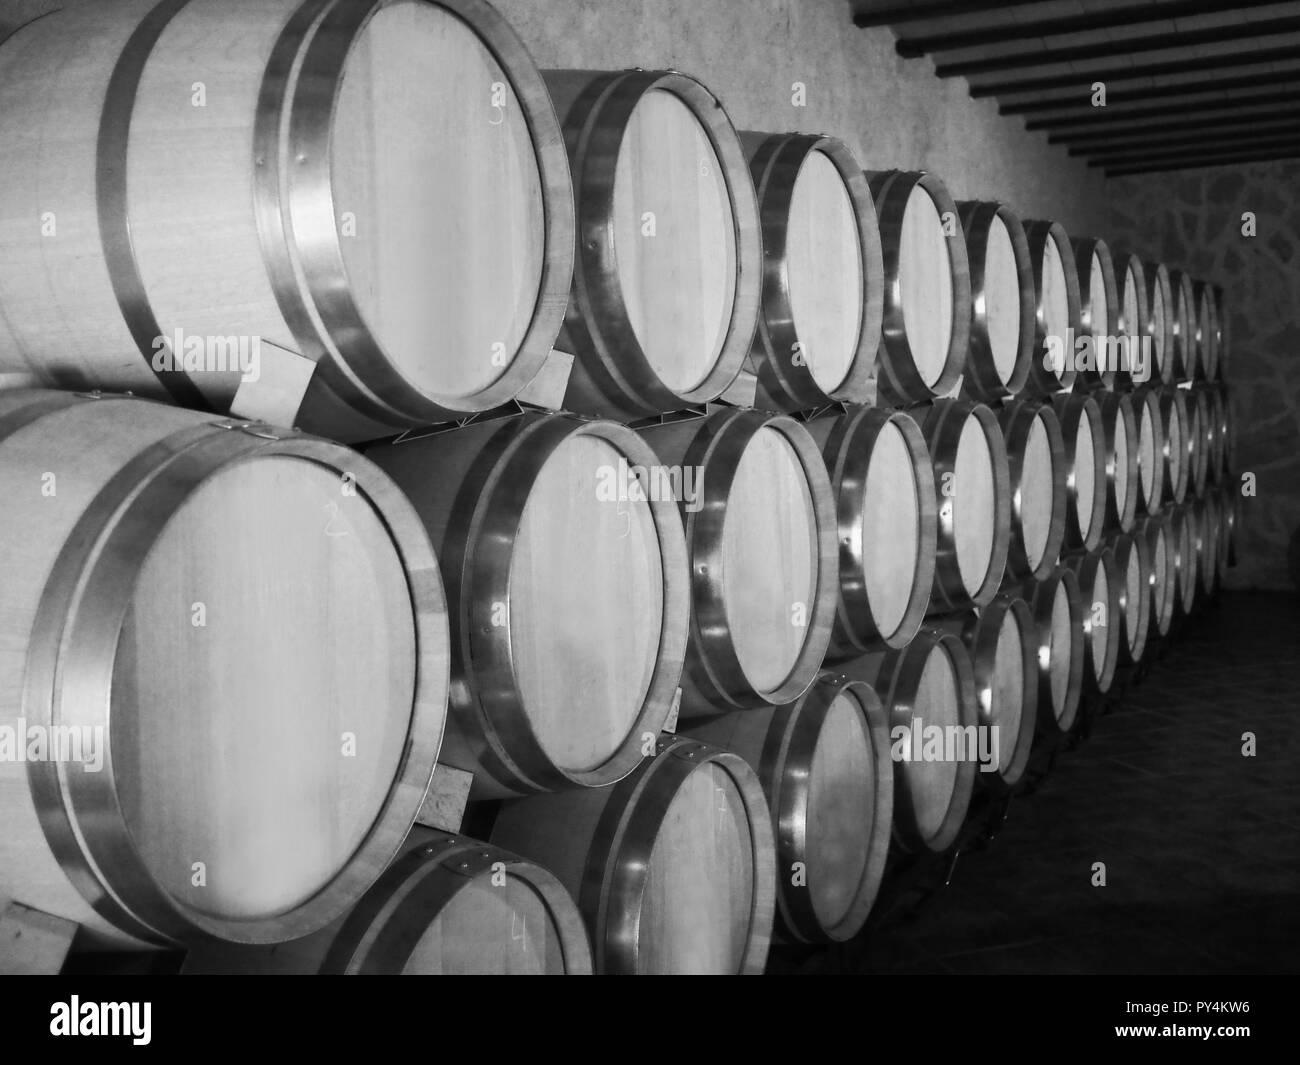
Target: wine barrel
(1176,430)
(972,483)
(1038,470)
(1186,341)
(565,564)
(352,165)
(1221,345)
(824,762)
(1186,538)
(1056,302)
(887,516)
(156,629)
(1150,449)
(1164,571)
(1133,562)
(1133,322)
(1160,322)
(1210,396)
(1098,311)
(1119,422)
(447,906)
(1228,513)
(1209,522)
(1003,645)
(1228,430)
(927,316)
(1002,301)
(1057,607)
(1233,517)
(1200,439)
(1102,602)
(673,868)
(668,276)
(1219,433)
(1085,454)
(761,540)
(929,689)
(1207,324)
(823,275)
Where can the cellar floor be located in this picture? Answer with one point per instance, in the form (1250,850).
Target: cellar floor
(1201,844)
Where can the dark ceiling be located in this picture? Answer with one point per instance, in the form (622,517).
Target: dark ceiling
(1188,82)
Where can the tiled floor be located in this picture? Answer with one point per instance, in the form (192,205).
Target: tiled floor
(1201,844)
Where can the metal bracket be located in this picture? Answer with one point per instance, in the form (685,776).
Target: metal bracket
(261,430)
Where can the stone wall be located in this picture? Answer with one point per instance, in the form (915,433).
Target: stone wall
(1194,219)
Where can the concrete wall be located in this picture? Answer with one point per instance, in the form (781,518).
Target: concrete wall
(1194,219)
(891,112)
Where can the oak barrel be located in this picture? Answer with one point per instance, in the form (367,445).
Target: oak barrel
(667,281)
(1218,431)
(1057,606)
(1003,645)
(1098,310)
(1186,531)
(1229,502)
(824,762)
(1056,302)
(673,868)
(1084,433)
(927,313)
(972,484)
(934,722)
(823,275)
(447,906)
(1207,324)
(1164,571)
(1160,322)
(1177,434)
(1132,322)
(1102,604)
(301,190)
(247,624)
(887,516)
(1200,440)
(1038,470)
(565,565)
(1209,524)
(761,540)
(1150,449)
(1119,420)
(1186,339)
(1134,565)
(1221,342)
(1232,510)
(1002,301)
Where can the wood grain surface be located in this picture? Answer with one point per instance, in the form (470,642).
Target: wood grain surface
(695,915)
(925,283)
(974,519)
(824,270)
(770,558)
(233,754)
(678,284)
(586,606)
(841,800)
(1008,697)
(1061,640)
(1002,298)
(447,259)
(931,783)
(891,530)
(1037,491)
